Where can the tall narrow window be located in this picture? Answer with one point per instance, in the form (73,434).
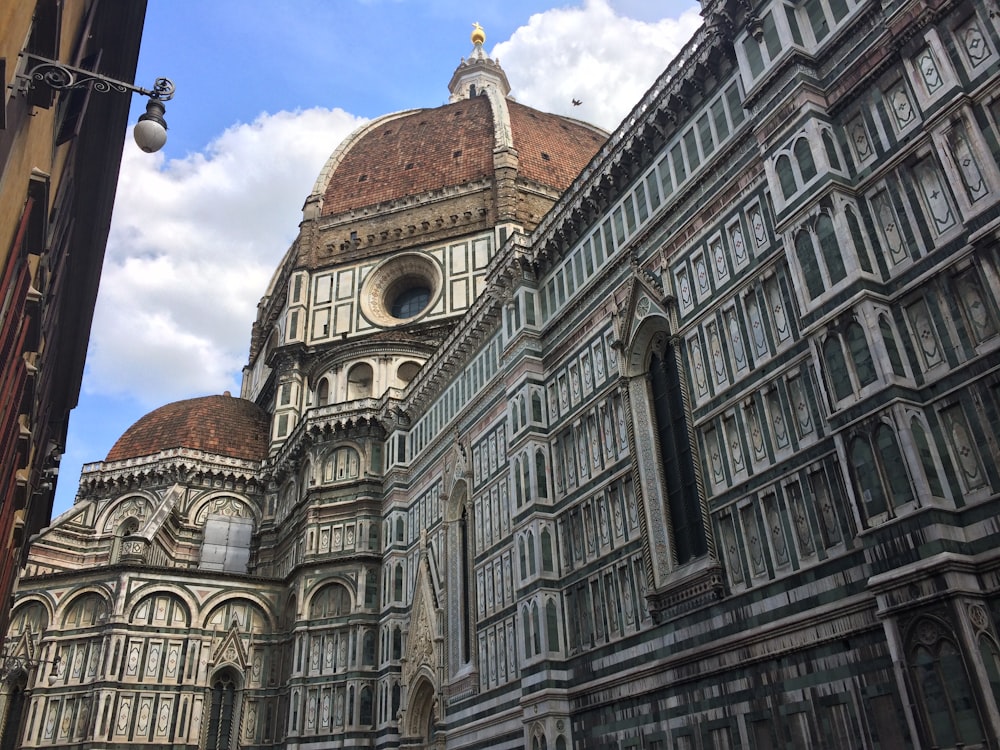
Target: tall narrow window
(786,178)
(891,459)
(397,583)
(866,477)
(830,247)
(466,608)
(861,356)
(221,730)
(803,155)
(943,689)
(541,483)
(836,368)
(806,254)
(895,359)
(926,457)
(675,457)
(551,625)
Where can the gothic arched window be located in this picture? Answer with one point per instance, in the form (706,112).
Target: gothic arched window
(831,150)
(893,465)
(836,368)
(861,355)
(368,649)
(541,484)
(397,644)
(676,459)
(830,247)
(222,732)
(806,254)
(944,696)
(926,457)
(465,610)
(397,583)
(891,348)
(365,713)
(551,625)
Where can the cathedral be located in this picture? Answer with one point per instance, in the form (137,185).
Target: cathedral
(683,437)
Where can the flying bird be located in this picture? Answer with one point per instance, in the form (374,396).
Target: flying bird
(577,102)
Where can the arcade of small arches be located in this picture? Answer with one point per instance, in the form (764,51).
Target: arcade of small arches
(363,379)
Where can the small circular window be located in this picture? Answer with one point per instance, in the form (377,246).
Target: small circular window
(401,289)
(410,302)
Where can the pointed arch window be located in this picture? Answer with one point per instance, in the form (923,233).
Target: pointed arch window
(551,625)
(518,491)
(535,629)
(893,465)
(530,545)
(926,457)
(891,348)
(222,731)
(946,702)
(858,239)
(806,254)
(397,583)
(830,149)
(826,232)
(880,473)
(676,459)
(365,712)
(397,643)
(548,565)
(466,583)
(861,355)
(541,470)
(368,649)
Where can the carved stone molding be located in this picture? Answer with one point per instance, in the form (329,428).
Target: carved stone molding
(687,591)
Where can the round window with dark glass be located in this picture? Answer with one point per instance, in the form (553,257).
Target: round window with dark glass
(410,302)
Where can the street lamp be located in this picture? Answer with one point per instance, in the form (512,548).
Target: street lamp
(151,130)
(12,665)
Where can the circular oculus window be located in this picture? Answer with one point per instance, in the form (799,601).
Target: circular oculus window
(400,289)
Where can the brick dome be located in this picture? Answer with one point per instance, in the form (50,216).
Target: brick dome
(427,150)
(222,425)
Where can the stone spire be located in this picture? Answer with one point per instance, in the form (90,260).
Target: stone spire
(477,72)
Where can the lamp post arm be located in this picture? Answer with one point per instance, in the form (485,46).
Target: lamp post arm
(59,76)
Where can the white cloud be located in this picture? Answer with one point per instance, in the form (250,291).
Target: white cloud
(193,244)
(593,54)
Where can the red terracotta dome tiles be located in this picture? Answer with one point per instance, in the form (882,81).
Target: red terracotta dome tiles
(222,425)
(551,150)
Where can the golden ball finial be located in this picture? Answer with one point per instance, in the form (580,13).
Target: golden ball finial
(478,35)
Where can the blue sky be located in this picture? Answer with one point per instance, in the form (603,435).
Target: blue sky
(266,90)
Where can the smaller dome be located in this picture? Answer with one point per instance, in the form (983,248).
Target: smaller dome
(222,425)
